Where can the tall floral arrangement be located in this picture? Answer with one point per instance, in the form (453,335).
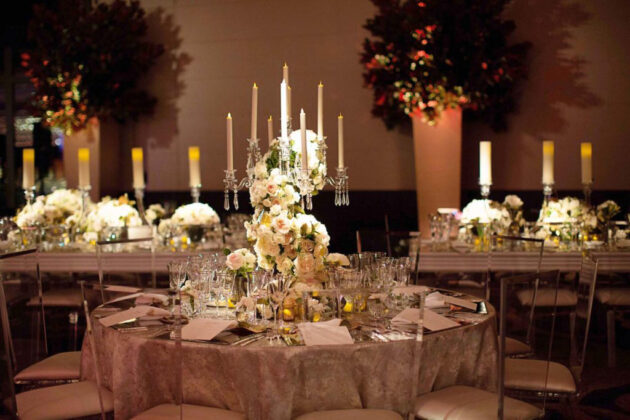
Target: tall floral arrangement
(285,238)
(86,61)
(427,56)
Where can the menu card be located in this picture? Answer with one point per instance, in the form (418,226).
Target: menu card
(325,333)
(205,329)
(133,313)
(432,321)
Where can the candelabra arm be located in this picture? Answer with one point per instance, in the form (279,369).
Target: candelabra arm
(139,194)
(29,195)
(587,188)
(485,190)
(340,183)
(548,190)
(195,193)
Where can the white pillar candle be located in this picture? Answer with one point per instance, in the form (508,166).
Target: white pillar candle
(340,135)
(320,111)
(586,151)
(254,111)
(283,111)
(230,143)
(303,137)
(485,163)
(28,168)
(548,153)
(270,130)
(137,160)
(84,167)
(193,166)
(288,102)
(285,73)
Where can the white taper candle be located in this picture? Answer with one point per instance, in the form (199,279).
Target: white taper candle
(320,111)
(303,138)
(485,163)
(340,135)
(230,143)
(254,111)
(548,154)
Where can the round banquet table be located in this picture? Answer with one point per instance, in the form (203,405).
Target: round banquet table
(283,382)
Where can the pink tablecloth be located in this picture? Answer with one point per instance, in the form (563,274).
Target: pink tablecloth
(281,383)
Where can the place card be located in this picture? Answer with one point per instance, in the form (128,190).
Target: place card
(131,314)
(205,329)
(151,298)
(325,333)
(435,300)
(126,297)
(122,289)
(432,321)
(463,303)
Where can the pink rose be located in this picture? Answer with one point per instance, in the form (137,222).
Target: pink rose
(234,261)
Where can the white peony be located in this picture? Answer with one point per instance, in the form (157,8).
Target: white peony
(195,214)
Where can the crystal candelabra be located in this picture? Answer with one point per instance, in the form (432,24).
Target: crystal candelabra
(298,176)
(139,194)
(29,195)
(547,190)
(587,188)
(195,193)
(232,183)
(485,190)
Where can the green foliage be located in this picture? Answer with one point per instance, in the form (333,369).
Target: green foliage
(428,56)
(86,62)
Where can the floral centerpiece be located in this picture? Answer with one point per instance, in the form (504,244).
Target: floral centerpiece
(566,219)
(482,218)
(50,217)
(287,240)
(428,56)
(108,219)
(191,225)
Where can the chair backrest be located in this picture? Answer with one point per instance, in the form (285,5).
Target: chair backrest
(93,348)
(103,248)
(514,243)
(9,350)
(584,308)
(511,284)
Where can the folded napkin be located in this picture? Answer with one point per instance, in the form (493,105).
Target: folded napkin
(432,321)
(151,298)
(133,313)
(126,297)
(205,328)
(122,289)
(324,333)
(410,290)
(435,300)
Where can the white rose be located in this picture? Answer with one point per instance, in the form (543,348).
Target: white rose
(513,201)
(281,223)
(337,259)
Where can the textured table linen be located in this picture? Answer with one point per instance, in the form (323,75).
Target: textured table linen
(283,382)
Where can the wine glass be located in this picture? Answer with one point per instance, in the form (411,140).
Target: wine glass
(255,286)
(176,278)
(277,290)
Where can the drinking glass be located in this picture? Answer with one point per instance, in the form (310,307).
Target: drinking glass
(255,287)
(225,293)
(277,289)
(215,288)
(176,278)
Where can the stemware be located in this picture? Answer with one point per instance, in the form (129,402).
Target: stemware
(255,285)
(226,281)
(277,289)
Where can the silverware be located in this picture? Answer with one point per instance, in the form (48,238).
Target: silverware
(247,340)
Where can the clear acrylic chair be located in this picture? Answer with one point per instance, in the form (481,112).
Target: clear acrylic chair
(538,379)
(108,253)
(413,334)
(500,244)
(71,400)
(465,402)
(56,369)
(178,408)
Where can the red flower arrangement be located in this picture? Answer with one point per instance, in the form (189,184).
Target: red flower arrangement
(86,62)
(432,55)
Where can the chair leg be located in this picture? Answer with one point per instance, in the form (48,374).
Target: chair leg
(610,326)
(572,318)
